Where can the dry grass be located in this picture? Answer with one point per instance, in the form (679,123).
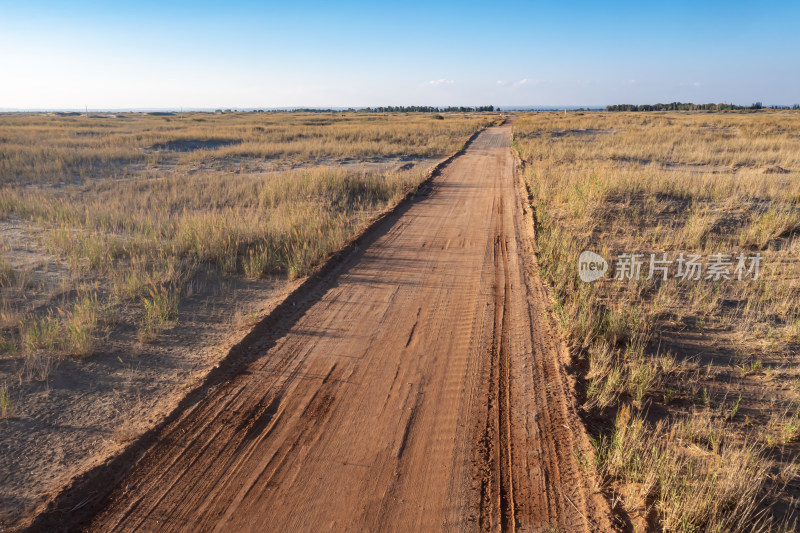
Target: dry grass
(658,356)
(40,149)
(6,407)
(707,485)
(124,212)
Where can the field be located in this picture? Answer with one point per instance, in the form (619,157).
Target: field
(131,246)
(140,252)
(690,387)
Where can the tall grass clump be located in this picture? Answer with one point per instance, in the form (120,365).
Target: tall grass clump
(80,324)
(7,276)
(6,407)
(159,311)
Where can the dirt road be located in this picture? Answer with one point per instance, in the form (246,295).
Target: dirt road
(419,388)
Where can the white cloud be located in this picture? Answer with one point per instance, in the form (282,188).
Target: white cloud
(629,82)
(520,83)
(436,83)
(697,84)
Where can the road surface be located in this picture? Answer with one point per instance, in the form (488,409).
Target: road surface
(420,388)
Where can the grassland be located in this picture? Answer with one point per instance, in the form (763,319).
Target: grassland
(125,239)
(130,207)
(691,388)
(43,149)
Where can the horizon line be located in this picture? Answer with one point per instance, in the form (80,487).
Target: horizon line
(148,109)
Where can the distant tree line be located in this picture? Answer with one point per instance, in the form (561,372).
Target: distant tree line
(382,109)
(679,106)
(424,109)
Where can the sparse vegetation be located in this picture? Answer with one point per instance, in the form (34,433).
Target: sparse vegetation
(135,206)
(671,364)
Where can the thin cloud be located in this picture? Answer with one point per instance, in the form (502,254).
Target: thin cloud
(526,81)
(517,83)
(437,83)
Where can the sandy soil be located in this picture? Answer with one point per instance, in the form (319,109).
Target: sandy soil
(417,386)
(88,409)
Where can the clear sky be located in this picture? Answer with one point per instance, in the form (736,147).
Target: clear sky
(239,54)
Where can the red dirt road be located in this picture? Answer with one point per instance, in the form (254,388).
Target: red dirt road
(420,388)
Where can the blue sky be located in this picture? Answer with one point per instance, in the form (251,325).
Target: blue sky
(262,54)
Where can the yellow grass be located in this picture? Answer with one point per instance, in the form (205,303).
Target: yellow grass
(52,149)
(691,183)
(137,205)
